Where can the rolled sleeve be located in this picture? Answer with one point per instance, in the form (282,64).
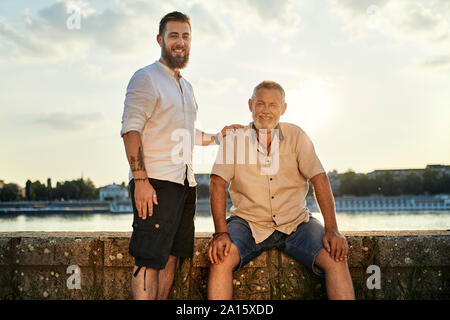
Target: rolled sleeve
(308,161)
(198,138)
(140,101)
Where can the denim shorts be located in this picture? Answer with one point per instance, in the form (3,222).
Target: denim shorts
(303,244)
(170,230)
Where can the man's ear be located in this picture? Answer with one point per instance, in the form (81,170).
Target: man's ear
(159,40)
(284,109)
(250,105)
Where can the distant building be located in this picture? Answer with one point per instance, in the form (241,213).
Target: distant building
(113,192)
(2,183)
(440,168)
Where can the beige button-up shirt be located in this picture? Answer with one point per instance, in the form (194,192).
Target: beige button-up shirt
(269,190)
(161,106)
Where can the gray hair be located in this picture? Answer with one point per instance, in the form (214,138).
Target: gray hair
(269,84)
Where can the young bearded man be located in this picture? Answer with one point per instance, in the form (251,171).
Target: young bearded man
(159,109)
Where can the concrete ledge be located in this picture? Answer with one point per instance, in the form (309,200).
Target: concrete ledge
(33,265)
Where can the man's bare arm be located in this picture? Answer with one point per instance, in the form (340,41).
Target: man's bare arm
(220,246)
(203,138)
(325,200)
(135,155)
(334,242)
(218,196)
(144,191)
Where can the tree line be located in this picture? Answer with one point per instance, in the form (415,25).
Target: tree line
(429,182)
(78,189)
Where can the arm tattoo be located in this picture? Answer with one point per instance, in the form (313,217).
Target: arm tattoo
(137,163)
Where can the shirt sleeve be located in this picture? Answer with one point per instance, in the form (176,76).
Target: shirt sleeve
(224,165)
(308,161)
(140,101)
(198,137)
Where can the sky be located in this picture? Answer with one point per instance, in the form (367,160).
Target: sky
(369,81)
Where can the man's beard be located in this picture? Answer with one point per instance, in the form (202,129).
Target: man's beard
(264,126)
(177,62)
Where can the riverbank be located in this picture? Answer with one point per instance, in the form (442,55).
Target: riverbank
(343,204)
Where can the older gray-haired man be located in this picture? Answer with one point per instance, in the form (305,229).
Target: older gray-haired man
(268,198)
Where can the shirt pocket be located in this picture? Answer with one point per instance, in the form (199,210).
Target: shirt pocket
(288,165)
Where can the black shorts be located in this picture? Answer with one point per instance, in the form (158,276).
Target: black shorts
(170,230)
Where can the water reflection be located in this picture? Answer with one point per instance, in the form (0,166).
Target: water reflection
(347,221)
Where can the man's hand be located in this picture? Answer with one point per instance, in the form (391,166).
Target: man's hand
(219,248)
(232,127)
(144,198)
(336,245)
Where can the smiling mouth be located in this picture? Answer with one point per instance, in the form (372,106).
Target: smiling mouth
(179,51)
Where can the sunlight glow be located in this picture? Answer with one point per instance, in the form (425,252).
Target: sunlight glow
(310,106)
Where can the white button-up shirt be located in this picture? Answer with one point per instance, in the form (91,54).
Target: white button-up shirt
(163,110)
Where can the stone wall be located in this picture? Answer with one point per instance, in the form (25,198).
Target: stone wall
(34,265)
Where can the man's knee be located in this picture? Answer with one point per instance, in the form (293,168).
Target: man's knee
(329,265)
(229,262)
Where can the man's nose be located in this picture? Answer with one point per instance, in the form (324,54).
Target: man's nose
(180,41)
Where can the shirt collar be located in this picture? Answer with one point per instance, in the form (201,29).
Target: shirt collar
(276,132)
(171,72)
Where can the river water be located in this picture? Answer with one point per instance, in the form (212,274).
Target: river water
(360,221)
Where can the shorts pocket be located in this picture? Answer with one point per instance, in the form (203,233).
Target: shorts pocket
(149,239)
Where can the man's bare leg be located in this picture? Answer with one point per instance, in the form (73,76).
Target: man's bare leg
(337,277)
(151,284)
(165,278)
(220,278)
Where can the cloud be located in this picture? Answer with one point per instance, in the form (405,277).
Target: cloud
(209,26)
(274,10)
(395,18)
(21,45)
(68,122)
(51,32)
(216,87)
(268,16)
(358,7)
(128,27)
(421,25)
(436,62)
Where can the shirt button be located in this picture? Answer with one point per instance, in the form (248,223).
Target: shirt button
(274,216)
(273,197)
(270,179)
